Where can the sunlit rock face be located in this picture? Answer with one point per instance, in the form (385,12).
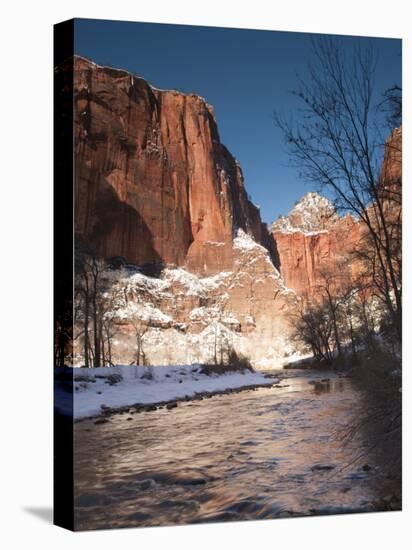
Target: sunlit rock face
(311,214)
(188,318)
(312,241)
(154,184)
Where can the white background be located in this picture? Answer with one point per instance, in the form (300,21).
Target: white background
(26,272)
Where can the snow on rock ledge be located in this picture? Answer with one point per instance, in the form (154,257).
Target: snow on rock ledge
(245,242)
(183,318)
(311,215)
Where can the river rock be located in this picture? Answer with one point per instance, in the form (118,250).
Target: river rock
(322,467)
(101,421)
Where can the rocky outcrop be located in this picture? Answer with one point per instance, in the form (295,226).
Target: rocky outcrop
(311,214)
(155,187)
(186,318)
(313,241)
(154,184)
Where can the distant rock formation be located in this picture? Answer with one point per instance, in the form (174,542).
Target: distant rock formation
(311,214)
(310,240)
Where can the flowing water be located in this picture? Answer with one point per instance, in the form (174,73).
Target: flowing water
(272,452)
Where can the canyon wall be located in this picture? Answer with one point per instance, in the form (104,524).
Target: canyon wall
(154,184)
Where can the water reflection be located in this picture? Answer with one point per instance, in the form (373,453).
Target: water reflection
(326,385)
(269,453)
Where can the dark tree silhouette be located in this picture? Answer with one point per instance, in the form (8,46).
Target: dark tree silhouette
(338,143)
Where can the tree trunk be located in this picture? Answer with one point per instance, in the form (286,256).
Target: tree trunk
(86,329)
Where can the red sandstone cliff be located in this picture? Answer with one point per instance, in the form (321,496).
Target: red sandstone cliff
(155,185)
(313,240)
(153,181)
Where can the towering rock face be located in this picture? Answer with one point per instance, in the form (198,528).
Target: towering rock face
(154,185)
(153,182)
(313,241)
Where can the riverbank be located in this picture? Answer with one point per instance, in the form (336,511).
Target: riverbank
(105,390)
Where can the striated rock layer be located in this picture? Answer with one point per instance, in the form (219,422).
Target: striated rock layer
(154,184)
(312,241)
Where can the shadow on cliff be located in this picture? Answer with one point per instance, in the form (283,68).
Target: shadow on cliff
(113,228)
(269,242)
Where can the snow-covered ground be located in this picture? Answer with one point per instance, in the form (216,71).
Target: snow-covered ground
(120,386)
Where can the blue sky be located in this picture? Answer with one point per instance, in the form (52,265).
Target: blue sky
(244,74)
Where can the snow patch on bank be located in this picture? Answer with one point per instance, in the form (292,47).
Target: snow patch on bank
(95,389)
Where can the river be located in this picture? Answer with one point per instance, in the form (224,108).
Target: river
(272,452)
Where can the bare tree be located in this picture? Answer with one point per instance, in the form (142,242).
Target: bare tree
(109,327)
(82,308)
(140,328)
(312,326)
(140,323)
(328,289)
(338,144)
(96,268)
(90,301)
(392,105)
(222,344)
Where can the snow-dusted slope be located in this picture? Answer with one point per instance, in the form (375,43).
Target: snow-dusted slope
(183,318)
(312,214)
